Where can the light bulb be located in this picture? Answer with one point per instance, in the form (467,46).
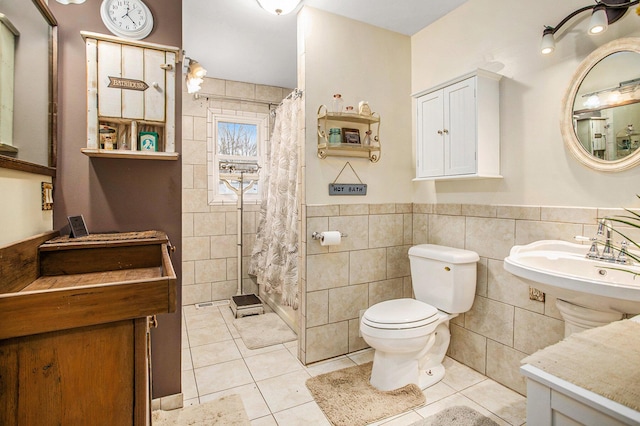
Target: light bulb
(548,43)
(599,21)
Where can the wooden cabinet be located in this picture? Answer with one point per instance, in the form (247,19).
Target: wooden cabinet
(130,98)
(458,129)
(74,327)
(363,123)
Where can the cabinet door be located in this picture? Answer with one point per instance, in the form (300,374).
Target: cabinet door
(460,131)
(429,147)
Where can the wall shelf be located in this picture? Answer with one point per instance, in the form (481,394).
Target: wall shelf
(131,155)
(363,122)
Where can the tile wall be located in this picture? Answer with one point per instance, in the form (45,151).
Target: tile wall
(209,234)
(371,265)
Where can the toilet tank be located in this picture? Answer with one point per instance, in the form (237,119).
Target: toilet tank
(444,277)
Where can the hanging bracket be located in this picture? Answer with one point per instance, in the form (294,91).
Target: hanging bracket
(347,188)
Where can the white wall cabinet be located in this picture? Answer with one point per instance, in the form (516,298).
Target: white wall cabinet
(130,98)
(458,128)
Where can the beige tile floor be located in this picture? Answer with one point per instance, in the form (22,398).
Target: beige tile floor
(271,380)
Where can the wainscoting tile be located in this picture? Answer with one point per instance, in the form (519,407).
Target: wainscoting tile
(346,302)
(382,208)
(507,288)
(356,342)
(317,310)
(327,271)
(569,214)
(353,209)
(479,210)
(491,319)
(398,261)
(530,231)
(367,265)
(501,233)
(386,230)
(323,210)
(327,341)
(448,209)
(211,270)
(379,291)
(420,227)
(355,227)
(518,212)
(503,366)
(535,331)
(468,348)
(447,230)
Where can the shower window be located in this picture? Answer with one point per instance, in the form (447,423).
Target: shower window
(236,149)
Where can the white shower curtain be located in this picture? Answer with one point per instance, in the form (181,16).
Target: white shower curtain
(274,259)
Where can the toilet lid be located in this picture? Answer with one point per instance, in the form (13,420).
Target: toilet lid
(406,313)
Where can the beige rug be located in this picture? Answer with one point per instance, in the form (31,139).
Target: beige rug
(258,331)
(456,416)
(603,360)
(227,410)
(347,398)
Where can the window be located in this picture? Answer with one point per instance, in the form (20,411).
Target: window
(236,148)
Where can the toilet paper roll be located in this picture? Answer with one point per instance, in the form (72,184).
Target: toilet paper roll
(330,238)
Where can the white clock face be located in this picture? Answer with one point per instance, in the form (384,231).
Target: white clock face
(127,18)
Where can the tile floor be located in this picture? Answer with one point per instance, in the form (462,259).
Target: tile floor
(271,380)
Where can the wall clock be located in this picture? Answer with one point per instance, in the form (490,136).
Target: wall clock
(127,18)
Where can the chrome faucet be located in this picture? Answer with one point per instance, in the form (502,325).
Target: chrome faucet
(604,229)
(608,254)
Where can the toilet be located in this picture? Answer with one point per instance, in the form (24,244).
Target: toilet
(411,336)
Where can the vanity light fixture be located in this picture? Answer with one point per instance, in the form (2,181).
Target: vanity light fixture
(195,75)
(279,7)
(603,13)
(71,1)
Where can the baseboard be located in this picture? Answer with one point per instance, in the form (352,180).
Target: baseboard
(169,402)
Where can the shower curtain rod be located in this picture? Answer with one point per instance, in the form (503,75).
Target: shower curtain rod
(296,93)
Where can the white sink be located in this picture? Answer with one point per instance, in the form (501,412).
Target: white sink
(562,269)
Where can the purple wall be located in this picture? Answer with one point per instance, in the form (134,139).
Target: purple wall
(117,195)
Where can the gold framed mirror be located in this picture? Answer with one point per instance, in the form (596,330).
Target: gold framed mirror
(600,121)
(28,123)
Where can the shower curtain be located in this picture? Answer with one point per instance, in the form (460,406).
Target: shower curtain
(274,260)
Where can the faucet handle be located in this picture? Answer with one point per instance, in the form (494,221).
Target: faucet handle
(622,255)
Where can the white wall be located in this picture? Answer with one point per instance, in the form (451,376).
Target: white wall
(361,62)
(21,214)
(504,36)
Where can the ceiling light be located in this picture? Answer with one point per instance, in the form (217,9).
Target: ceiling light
(599,20)
(603,13)
(279,7)
(71,1)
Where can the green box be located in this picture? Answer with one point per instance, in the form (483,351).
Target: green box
(148,141)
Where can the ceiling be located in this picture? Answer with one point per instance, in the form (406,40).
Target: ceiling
(238,40)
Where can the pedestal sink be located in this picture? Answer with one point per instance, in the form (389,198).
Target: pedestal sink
(589,292)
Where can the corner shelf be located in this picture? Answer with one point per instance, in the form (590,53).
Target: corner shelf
(372,152)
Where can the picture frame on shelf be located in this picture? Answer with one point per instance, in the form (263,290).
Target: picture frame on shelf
(148,141)
(351,136)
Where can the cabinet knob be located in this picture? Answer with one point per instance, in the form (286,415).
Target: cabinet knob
(155,85)
(445,131)
(440,132)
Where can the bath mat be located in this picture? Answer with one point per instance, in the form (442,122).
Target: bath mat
(258,331)
(347,398)
(613,348)
(227,410)
(459,415)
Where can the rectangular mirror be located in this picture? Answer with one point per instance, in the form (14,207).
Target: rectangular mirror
(28,86)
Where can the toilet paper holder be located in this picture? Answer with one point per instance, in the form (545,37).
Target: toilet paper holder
(318,235)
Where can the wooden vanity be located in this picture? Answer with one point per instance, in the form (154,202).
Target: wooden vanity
(74,327)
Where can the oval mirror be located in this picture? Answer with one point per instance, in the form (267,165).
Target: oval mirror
(601,116)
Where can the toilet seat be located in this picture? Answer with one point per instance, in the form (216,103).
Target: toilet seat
(400,314)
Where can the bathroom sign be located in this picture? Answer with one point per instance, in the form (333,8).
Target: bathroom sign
(347,189)
(127,83)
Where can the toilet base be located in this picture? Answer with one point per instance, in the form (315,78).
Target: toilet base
(431,376)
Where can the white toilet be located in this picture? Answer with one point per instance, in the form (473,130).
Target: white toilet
(411,336)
